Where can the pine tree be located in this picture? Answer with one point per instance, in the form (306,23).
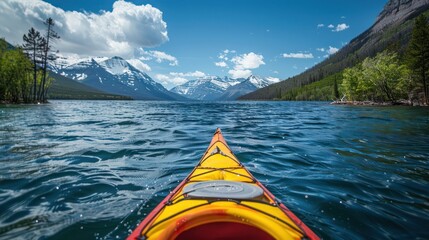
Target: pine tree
(336,92)
(418,53)
(51,36)
(33,45)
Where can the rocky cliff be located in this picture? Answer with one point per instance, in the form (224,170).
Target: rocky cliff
(397,11)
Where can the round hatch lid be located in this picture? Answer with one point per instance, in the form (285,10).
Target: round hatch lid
(223,189)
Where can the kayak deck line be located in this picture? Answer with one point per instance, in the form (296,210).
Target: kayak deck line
(220,199)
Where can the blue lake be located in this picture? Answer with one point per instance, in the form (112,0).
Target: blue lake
(94,169)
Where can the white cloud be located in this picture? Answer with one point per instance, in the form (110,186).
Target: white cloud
(320,49)
(167,80)
(331,26)
(343,17)
(273,79)
(162,56)
(224,54)
(298,55)
(108,33)
(139,65)
(197,74)
(332,50)
(240,73)
(221,64)
(248,61)
(341,27)
(320,25)
(241,63)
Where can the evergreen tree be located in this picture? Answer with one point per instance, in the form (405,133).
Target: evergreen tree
(51,36)
(418,54)
(3,47)
(336,92)
(33,46)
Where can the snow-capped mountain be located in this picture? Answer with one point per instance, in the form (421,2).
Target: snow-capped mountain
(216,88)
(206,88)
(115,75)
(251,84)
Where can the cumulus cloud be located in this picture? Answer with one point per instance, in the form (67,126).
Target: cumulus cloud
(240,73)
(273,79)
(248,61)
(332,50)
(221,64)
(331,26)
(341,27)
(320,25)
(298,55)
(173,79)
(108,33)
(170,81)
(242,64)
(137,63)
(161,57)
(197,74)
(320,49)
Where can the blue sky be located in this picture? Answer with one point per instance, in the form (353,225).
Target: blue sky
(175,41)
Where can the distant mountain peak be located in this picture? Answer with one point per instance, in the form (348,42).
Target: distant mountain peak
(220,88)
(116,75)
(117,66)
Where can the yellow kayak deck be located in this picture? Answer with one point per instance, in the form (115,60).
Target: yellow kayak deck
(182,216)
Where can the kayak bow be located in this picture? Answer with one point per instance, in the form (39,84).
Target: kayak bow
(220,199)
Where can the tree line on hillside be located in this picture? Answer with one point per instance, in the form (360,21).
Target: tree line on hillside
(395,37)
(389,77)
(23,69)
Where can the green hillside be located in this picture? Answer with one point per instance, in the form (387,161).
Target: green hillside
(394,37)
(65,88)
(323,90)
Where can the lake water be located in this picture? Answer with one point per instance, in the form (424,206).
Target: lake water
(94,169)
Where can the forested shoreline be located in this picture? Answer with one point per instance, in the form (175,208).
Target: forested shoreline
(23,69)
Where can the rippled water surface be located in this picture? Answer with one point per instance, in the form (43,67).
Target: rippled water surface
(94,169)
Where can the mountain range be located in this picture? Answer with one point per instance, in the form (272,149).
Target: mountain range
(224,89)
(116,76)
(391,30)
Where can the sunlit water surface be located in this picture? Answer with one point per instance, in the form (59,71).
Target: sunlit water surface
(95,169)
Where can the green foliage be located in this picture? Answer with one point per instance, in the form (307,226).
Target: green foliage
(350,85)
(418,55)
(15,76)
(33,47)
(367,44)
(381,78)
(323,90)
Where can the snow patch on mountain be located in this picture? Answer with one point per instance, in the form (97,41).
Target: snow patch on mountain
(114,75)
(116,66)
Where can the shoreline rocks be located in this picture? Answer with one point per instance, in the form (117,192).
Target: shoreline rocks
(372,103)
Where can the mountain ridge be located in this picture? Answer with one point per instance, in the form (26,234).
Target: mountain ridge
(217,88)
(115,75)
(380,36)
